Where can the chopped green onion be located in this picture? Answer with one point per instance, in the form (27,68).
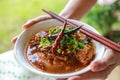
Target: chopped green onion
(58,30)
(51,30)
(59,50)
(44,42)
(69,28)
(81,45)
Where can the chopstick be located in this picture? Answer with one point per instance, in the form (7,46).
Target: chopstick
(93,35)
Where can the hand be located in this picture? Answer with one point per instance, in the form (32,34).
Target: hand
(100,69)
(30,23)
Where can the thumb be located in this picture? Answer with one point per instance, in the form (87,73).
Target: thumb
(108,59)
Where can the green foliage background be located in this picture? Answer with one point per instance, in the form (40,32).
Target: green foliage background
(14,13)
(103,18)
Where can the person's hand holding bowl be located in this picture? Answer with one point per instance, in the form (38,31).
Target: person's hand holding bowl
(100,69)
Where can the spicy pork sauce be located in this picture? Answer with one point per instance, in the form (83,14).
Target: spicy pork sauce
(74,52)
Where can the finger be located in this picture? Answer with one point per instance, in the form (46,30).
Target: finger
(108,59)
(14,39)
(35,20)
(101,75)
(74,78)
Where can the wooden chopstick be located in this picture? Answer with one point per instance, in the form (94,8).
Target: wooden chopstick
(89,33)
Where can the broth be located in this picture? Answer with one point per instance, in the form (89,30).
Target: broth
(74,52)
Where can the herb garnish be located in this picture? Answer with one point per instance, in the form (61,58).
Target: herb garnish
(44,42)
(68,40)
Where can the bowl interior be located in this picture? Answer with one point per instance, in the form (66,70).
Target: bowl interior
(45,25)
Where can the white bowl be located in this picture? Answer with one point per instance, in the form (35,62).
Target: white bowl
(44,25)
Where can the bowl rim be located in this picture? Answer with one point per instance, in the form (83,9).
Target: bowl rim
(86,69)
